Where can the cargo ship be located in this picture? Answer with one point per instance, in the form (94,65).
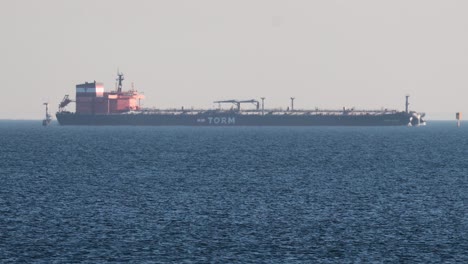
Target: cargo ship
(96,107)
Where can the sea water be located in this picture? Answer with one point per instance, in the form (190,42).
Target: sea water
(233,194)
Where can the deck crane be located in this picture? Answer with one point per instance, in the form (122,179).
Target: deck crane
(65,101)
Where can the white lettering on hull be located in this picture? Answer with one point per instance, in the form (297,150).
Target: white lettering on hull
(221,120)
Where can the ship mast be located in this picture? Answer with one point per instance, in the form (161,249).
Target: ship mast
(119,79)
(407,104)
(263,105)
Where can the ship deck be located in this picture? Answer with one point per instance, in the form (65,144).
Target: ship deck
(298,112)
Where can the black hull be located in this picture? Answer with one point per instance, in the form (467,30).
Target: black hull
(394,119)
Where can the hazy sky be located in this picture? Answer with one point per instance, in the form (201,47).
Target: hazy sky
(328,54)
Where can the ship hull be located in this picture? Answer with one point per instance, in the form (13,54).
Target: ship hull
(144,119)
